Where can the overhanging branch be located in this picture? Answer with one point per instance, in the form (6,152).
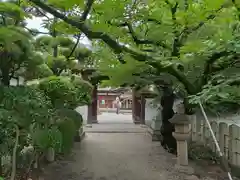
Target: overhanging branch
(208,68)
(82,19)
(138,40)
(154,20)
(33,32)
(189,30)
(81,26)
(176,41)
(117,47)
(214,57)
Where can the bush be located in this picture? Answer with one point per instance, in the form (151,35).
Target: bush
(83,89)
(44,114)
(28,110)
(28,104)
(70,123)
(67,128)
(60,90)
(66,92)
(73,115)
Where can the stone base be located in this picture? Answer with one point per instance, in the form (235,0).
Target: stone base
(82,135)
(88,125)
(77,138)
(136,122)
(79,135)
(94,122)
(156,134)
(184,169)
(143,126)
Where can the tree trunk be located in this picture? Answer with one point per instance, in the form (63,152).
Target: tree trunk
(167,128)
(5,77)
(1,170)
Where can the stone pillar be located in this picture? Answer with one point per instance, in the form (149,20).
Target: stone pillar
(181,134)
(89,116)
(142,111)
(89,109)
(94,105)
(93,109)
(156,127)
(136,108)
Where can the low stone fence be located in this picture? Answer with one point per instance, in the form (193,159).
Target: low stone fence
(227,134)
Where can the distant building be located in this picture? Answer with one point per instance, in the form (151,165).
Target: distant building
(107,97)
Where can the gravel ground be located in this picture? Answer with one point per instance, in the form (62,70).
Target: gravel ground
(109,153)
(106,156)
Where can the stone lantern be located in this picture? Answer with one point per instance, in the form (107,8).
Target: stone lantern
(181,134)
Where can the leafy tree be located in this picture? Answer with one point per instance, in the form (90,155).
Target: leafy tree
(30,114)
(60,44)
(166,35)
(62,53)
(220,95)
(16,50)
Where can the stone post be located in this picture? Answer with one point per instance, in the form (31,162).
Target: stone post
(89,116)
(142,112)
(181,134)
(136,107)
(89,109)
(94,105)
(156,127)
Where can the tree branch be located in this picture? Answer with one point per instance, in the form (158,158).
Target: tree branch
(136,39)
(74,47)
(119,48)
(87,10)
(176,42)
(188,30)
(154,20)
(82,18)
(237,7)
(35,32)
(209,64)
(41,13)
(3,20)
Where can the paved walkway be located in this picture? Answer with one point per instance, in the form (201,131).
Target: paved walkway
(117,156)
(115,123)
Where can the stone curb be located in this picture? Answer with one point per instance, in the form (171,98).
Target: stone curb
(82,135)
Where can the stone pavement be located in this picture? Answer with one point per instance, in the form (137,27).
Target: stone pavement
(115,123)
(117,156)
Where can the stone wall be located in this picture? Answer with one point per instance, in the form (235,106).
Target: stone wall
(151,113)
(83,110)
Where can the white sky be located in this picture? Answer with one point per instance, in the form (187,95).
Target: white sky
(36,22)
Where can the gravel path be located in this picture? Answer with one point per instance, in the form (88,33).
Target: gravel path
(104,155)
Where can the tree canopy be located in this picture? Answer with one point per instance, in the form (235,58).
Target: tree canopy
(190,40)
